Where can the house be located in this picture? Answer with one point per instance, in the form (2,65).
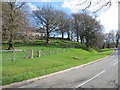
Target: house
(37,33)
(32,32)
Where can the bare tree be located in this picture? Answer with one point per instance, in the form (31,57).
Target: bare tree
(68,27)
(14,19)
(87,28)
(61,22)
(117,38)
(82,25)
(64,24)
(110,39)
(76,25)
(46,17)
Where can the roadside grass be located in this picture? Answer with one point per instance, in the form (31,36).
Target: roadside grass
(21,55)
(55,46)
(53,43)
(29,68)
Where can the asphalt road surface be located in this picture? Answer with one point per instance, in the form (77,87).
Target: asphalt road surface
(102,74)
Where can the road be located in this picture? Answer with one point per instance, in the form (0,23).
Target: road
(102,74)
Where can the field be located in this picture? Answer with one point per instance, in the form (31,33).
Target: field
(66,54)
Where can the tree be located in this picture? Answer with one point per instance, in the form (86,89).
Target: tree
(68,27)
(100,40)
(76,25)
(93,29)
(61,22)
(87,28)
(14,19)
(117,38)
(46,17)
(82,17)
(64,25)
(110,39)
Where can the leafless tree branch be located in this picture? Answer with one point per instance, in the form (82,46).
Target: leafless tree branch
(20,6)
(106,4)
(82,3)
(87,6)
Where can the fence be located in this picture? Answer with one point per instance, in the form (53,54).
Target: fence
(13,55)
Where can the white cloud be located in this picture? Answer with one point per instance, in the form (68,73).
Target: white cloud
(32,6)
(38,0)
(108,16)
(77,5)
(70,4)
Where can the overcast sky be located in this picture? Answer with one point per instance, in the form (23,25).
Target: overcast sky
(108,16)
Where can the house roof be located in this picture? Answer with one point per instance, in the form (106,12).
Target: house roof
(38,30)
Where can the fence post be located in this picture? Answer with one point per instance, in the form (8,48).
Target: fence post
(53,52)
(32,54)
(13,56)
(73,46)
(49,52)
(66,48)
(57,50)
(39,53)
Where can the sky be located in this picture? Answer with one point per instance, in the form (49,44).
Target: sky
(108,16)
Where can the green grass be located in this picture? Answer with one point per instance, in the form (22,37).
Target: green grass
(53,43)
(20,55)
(60,59)
(55,46)
(29,68)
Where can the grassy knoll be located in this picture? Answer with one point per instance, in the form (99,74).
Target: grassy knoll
(29,68)
(55,46)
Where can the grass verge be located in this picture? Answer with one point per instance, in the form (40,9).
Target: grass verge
(29,68)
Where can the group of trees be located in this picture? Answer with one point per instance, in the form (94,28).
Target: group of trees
(86,29)
(52,20)
(83,26)
(112,39)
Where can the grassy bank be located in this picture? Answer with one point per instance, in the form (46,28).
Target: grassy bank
(55,46)
(29,68)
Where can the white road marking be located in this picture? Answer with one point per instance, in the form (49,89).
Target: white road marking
(113,61)
(90,79)
(109,64)
(116,63)
(97,74)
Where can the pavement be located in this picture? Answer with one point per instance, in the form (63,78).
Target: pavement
(102,74)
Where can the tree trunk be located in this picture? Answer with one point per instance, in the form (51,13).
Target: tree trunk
(62,35)
(68,35)
(71,36)
(108,45)
(10,42)
(10,46)
(77,35)
(47,33)
(81,39)
(117,42)
(77,38)
(47,37)
(87,42)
